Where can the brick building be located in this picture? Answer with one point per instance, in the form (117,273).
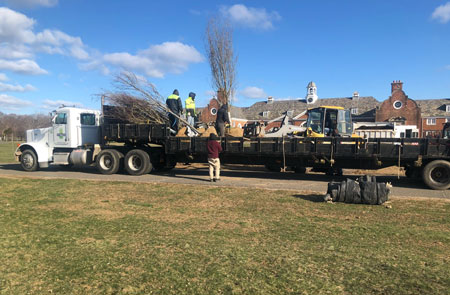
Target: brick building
(399,108)
(435,113)
(428,115)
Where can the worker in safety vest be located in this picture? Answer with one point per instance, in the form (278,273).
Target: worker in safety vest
(190,108)
(173,102)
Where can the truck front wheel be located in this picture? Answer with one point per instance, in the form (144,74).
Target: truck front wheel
(108,162)
(29,161)
(436,175)
(137,162)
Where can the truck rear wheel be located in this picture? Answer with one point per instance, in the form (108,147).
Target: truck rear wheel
(29,160)
(436,175)
(137,162)
(108,161)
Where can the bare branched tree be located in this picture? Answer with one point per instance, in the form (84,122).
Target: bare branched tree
(137,100)
(219,48)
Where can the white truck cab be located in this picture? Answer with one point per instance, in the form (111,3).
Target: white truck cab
(69,141)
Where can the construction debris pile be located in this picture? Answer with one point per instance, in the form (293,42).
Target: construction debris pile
(365,190)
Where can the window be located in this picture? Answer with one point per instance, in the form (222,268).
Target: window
(213,111)
(447,108)
(87,119)
(354,111)
(315,120)
(398,104)
(266,114)
(431,121)
(61,118)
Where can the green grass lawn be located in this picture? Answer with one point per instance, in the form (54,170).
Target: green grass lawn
(80,237)
(7,150)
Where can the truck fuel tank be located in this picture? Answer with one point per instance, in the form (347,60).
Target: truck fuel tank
(80,157)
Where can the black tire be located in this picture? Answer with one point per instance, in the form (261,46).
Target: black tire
(108,162)
(137,162)
(436,175)
(29,160)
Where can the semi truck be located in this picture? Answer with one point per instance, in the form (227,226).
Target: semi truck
(80,137)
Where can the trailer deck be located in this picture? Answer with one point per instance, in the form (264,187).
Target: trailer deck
(414,154)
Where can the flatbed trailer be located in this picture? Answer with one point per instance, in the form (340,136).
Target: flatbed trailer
(425,158)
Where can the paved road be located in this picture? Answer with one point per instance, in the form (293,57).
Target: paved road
(236,176)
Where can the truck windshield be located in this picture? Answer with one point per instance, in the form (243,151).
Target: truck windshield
(315,119)
(61,118)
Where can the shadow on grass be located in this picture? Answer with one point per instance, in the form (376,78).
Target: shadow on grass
(311,198)
(197,173)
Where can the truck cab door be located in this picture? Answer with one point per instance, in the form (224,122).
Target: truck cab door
(60,129)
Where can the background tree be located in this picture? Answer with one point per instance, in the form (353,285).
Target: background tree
(18,124)
(222,61)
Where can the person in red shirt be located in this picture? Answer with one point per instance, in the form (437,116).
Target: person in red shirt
(214,148)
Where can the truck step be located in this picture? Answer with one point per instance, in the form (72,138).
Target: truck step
(61,158)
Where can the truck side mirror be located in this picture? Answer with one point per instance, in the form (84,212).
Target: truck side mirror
(53,116)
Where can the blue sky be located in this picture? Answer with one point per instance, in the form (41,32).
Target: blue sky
(66,51)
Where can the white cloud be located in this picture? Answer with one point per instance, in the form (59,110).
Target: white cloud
(52,104)
(253,92)
(19,43)
(15,51)
(3,77)
(16,88)
(157,60)
(30,3)
(57,42)
(93,65)
(15,27)
(22,66)
(12,103)
(257,18)
(442,13)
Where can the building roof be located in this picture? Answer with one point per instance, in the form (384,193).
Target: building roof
(434,107)
(276,109)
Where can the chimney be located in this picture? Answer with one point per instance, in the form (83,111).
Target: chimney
(396,85)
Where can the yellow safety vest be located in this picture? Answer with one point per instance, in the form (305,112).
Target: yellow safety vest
(190,104)
(173,96)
